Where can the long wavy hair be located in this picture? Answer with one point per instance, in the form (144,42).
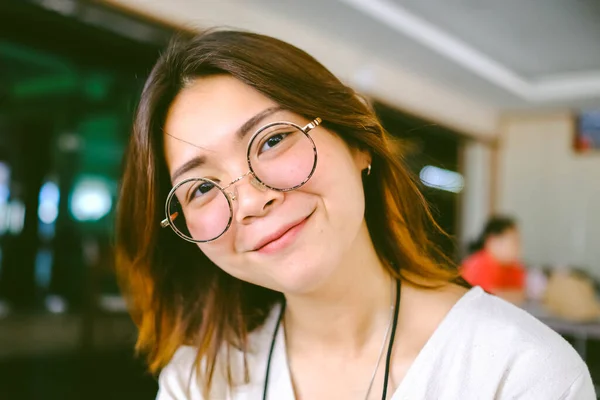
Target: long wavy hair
(177,295)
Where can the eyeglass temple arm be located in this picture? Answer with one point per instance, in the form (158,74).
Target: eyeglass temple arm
(312,125)
(165,222)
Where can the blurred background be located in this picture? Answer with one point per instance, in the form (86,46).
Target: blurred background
(497,102)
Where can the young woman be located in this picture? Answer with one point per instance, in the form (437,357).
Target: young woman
(273,246)
(495,264)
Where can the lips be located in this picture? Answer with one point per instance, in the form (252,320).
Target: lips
(278,234)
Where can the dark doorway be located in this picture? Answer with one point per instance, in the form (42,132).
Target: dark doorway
(426,144)
(69,80)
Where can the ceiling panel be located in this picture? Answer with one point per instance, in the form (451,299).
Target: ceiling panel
(346,23)
(525,44)
(533,38)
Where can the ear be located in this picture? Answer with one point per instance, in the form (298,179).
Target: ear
(362,159)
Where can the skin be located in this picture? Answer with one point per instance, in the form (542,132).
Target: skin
(338,292)
(506,248)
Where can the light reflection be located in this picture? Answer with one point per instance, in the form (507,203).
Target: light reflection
(48,202)
(91,199)
(43,268)
(55,304)
(442,179)
(15,217)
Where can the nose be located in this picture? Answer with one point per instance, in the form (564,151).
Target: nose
(254,200)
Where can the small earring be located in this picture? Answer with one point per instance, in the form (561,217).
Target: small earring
(369,170)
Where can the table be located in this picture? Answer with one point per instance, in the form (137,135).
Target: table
(580,331)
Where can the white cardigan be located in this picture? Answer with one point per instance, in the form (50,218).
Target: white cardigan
(485,348)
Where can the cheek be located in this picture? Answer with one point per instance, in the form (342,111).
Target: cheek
(339,185)
(509,250)
(336,167)
(211,223)
(221,251)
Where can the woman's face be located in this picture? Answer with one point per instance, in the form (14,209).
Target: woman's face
(506,246)
(286,241)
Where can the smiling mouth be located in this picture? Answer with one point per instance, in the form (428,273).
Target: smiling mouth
(282,238)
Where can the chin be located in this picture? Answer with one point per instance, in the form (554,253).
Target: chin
(296,271)
(302,275)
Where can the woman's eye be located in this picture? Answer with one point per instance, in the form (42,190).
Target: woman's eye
(202,189)
(273,141)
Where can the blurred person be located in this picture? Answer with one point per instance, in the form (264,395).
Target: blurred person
(272,245)
(495,262)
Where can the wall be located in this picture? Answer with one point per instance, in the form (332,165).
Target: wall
(553,191)
(476,196)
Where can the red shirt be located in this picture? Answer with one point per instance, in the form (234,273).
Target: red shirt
(481,269)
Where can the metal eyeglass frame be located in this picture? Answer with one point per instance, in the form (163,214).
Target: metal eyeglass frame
(255,181)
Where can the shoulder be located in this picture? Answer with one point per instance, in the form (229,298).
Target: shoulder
(505,326)
(532,356)
(485,313)
(180,379)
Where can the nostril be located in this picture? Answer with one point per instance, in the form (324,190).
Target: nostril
(270,202)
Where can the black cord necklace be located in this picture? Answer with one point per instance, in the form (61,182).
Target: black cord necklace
(387,359)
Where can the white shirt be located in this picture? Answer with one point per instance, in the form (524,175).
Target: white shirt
(485,348)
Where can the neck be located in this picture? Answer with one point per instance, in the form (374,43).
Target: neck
(350,311)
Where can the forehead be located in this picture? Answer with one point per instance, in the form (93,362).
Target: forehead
(510,233)
(205,116)
(211,106)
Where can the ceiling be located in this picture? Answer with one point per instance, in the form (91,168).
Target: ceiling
(511,54)
(462,63)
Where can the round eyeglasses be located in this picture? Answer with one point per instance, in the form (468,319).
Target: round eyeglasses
(281,156)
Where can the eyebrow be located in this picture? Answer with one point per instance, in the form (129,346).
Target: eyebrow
(240,134)
(188,166)
(252,122)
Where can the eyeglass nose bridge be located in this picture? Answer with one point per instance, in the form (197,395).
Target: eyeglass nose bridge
(254,181)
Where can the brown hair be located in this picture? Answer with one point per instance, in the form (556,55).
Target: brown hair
(177,295)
